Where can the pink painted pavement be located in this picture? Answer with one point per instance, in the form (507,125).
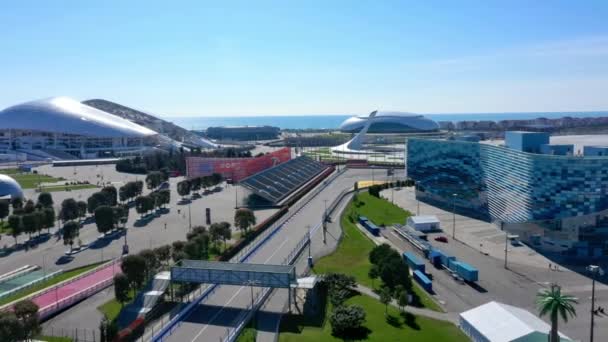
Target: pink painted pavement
(77,287)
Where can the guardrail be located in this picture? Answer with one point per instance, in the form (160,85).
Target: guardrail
(171,324)
(65,282)
(31,283)
(17,272)
(63,303)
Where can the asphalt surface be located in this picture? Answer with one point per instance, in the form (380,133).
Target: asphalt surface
(50,254)
(211,321)
(527,272)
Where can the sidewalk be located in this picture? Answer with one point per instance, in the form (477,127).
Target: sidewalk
(447,317)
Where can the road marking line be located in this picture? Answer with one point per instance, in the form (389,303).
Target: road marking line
(234,296)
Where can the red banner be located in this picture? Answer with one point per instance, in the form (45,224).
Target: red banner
(235,168)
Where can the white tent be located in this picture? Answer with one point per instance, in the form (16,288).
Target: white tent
(498,322)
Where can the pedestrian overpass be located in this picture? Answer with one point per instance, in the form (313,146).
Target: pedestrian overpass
(229,273)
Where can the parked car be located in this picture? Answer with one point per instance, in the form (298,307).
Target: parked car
(442,239)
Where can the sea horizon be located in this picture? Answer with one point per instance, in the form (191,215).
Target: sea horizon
(329,121)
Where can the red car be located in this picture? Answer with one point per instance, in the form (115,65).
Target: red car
(442,239)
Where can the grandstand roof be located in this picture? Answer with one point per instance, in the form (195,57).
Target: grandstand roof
(280,181)
(68,116)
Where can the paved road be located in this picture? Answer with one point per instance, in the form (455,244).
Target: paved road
(209,322)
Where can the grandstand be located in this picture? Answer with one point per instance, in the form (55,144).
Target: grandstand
(277,183)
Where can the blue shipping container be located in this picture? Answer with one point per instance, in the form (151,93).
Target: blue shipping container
(453,265)
(423,280)
(413,262)
(467,272)
(435,257)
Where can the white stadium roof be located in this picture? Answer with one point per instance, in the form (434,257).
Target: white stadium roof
(68,116)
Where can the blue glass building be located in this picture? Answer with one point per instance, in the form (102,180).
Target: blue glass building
(509,185)
(514,186)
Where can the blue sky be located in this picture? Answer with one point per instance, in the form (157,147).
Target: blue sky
(181,58)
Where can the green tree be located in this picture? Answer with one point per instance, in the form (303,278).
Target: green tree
(4,210)
(373,274)
(134,267)
(11,329)
(29,207)
(111,195)
(49,218)
(346,318)
(70,233)
(140,205)
(16,227)
(45,199)
(379,253)
(27,313)
(153,179)
(104,218)
(183,188)
(554,303)
(163,253)
(340,287)
(82,209)
(17,202)
(100,198)
(402,299)
(121,288)
(220,231)
(69,210)
(152,262)
(29,223)
(243,219)
(385,298)
(40,220)
(165,196)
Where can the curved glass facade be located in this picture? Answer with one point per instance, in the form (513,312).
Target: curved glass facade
(505,184)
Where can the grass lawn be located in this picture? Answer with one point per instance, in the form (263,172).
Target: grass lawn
(405,327)
(5,228)
(248,334)
(29,180)
(67,187)
(111,309)
(380,211)
(351,256)
(40,286)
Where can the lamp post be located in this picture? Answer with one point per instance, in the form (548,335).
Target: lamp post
(454,216)
(507,238)
(189,215)
(325,218)
(310,264)
(594,270)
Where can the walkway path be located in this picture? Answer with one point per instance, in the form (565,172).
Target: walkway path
(448,317)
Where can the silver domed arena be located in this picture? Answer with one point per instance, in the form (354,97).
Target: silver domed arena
(9,188)
(390,122)
(63,126)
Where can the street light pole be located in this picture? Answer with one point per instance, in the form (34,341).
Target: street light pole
(594,269)
(325,223)
(310,264)
(189,215)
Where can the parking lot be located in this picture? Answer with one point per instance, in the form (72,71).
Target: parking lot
(481,244)
(162,229)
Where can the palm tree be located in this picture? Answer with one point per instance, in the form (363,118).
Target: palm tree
(553,302)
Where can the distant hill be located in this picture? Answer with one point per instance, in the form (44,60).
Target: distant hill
(150,121)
